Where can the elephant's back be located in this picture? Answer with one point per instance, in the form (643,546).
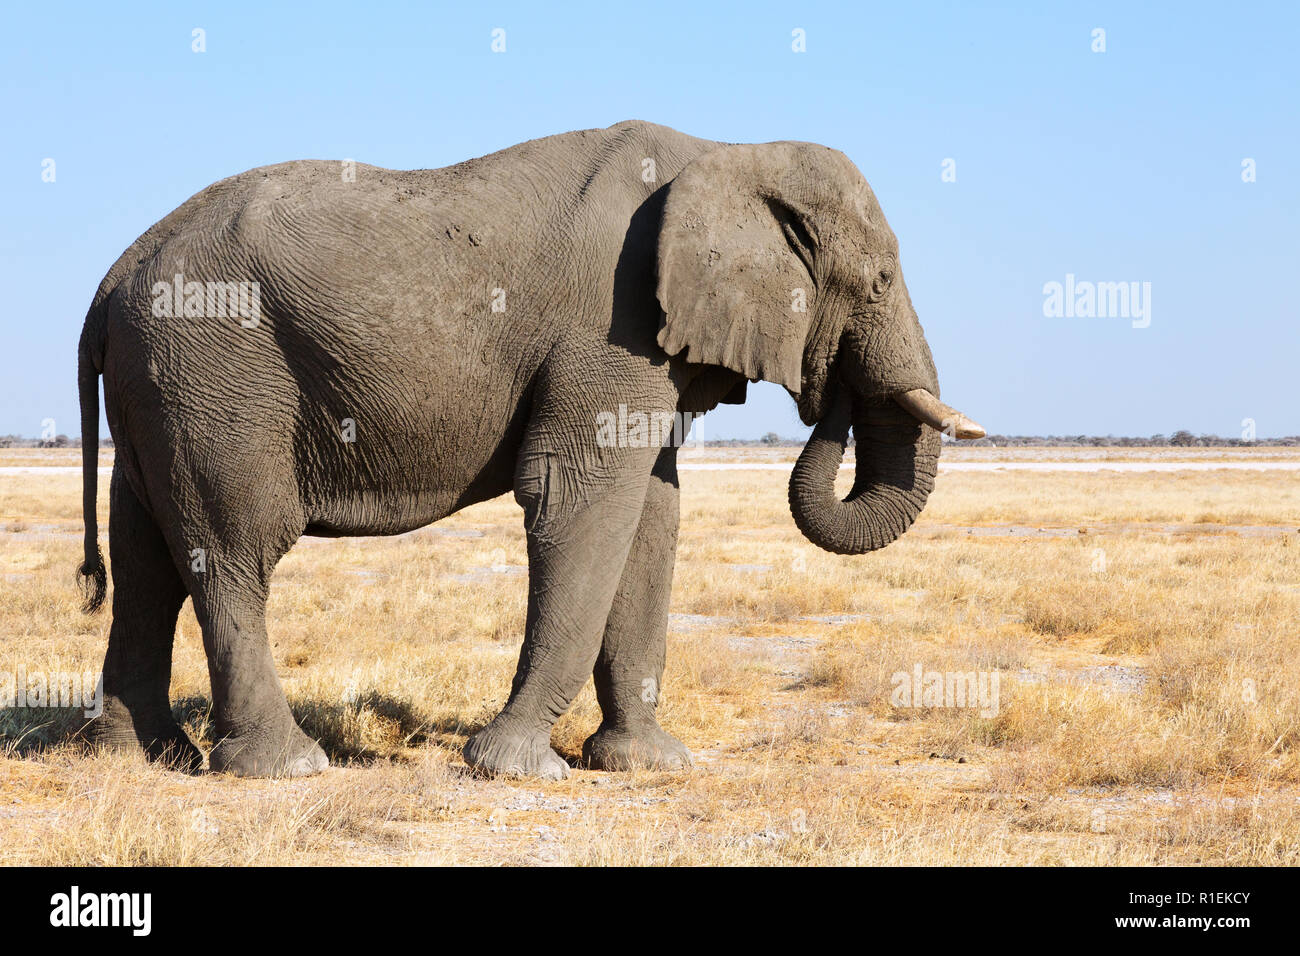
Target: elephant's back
(371,308)
(307,227)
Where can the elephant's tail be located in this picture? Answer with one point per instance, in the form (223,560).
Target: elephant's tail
(92,574)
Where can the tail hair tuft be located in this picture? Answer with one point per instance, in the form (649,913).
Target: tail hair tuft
(93,580)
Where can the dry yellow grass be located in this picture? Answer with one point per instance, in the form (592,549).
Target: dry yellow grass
(1148,711)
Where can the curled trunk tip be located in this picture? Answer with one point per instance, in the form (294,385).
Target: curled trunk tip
(897,458)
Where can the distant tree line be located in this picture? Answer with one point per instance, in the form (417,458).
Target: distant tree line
(1179,439)
(58,441)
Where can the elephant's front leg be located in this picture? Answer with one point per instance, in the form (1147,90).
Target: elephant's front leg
(578,540)
(629,671)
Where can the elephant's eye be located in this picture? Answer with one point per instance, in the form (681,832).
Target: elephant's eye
(881,283)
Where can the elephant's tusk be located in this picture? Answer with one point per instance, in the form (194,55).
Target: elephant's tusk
(922,405)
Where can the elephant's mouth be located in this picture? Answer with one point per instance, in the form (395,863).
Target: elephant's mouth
(897,458)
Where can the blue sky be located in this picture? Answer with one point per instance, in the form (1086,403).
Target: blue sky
(1122,166)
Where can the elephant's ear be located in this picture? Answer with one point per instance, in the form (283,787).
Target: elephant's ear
(736,275)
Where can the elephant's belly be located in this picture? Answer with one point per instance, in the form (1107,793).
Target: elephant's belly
(414,487)
(386,513)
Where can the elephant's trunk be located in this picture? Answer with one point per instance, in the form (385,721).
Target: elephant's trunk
(897,458)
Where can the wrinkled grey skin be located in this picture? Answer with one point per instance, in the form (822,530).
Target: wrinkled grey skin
(377,306)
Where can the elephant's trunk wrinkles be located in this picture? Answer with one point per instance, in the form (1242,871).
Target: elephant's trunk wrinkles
(897,458)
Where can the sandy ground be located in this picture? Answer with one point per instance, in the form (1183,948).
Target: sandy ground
(1141,625)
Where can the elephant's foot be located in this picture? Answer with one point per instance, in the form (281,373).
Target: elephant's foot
(635,747)
(278,748)
(151,730)
(502,751)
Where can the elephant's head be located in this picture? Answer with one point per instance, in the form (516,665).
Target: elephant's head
(776,262)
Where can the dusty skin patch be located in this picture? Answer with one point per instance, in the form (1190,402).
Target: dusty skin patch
(1141,624)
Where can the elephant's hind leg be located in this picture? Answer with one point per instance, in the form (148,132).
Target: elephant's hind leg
(257,736)
(147,596)
(629,671)
(229,550)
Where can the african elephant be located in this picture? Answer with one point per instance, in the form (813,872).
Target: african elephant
(409,343)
